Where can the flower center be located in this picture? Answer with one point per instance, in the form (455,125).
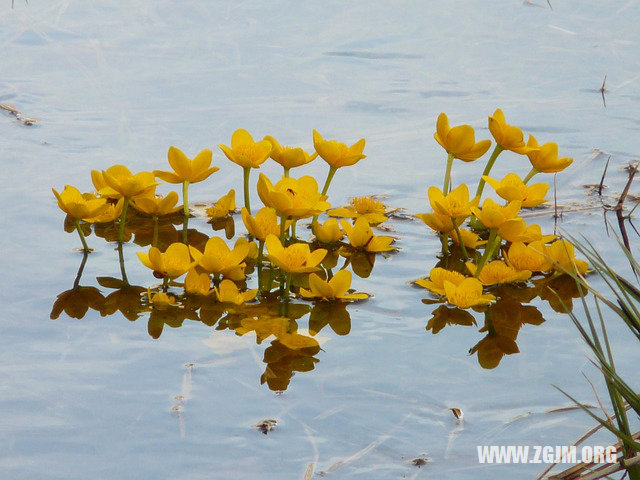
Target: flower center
(364,205)
(295,256)
(245,153)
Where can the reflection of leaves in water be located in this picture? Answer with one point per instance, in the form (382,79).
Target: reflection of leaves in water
(167,234)
(109,231)
(443,316)
(127,299)
(333,314)
(296,341)
(361,262)
(210,310)
(558,291)
(225,223)
(264,327)
(70,226)
(517,292)
(331,258)
(173,316)
(282,362)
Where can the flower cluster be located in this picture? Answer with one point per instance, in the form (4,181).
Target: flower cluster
(196,269)
(497,246)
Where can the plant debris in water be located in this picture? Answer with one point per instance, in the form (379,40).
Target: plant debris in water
(265,426)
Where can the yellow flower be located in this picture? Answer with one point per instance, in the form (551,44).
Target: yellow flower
(157,206)
(469,239)
(264,223)
(516,230)
(219,259)
(288,157)
(438,222)
(507,136)
(497,272)
(296,258)
(546,158)
(468,293)
(173,263)
(436,280)
(337,154)
(455,204)
(225,205)
(459,141)
(361,237)
(293,198)
(334,289)
(197,283)
(186,170)
(245,152)
(329,232)
(111,214)
(562,255)
(120,179)
(252,252)
(160,300)
(229,293)
(493,215)
(73,203)
(511,187)
(101,186)
(370,208)
(530,257)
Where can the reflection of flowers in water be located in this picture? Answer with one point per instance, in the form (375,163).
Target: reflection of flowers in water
(76,301)
(504,318)
(503,321)
(443,316)
(125,298)
(283,361)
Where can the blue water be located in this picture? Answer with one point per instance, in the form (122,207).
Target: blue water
(118,82)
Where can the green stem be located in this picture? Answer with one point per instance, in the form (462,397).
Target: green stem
(283,221)
(332,172)
(293,229)
(447,174)
(123,219)
(270,283)
(245,174)
(165,284)
(154,240)
(487,169)
(122,270)
(76,282)
(488,251)
(185,209)
(260,255)
(444,239)
(185,198)
(85,247)
(185,229)
(533,171)
(286,172)
(464,249)
(287,288)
